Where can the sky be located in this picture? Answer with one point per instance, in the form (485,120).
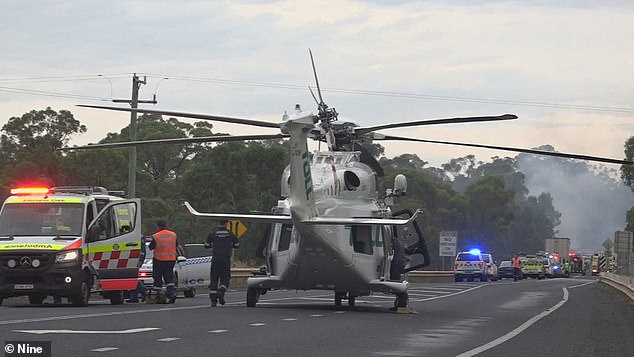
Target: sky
(565,68)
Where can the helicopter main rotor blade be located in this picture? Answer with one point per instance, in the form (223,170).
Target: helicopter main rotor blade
(367,129)
(200,139)
(224,119)
(513,149)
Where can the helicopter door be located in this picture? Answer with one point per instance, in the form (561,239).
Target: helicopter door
(280,243)
(415,246)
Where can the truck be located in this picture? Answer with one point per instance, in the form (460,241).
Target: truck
(69,242)
(559,246)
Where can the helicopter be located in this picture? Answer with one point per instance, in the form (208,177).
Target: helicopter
(330,230)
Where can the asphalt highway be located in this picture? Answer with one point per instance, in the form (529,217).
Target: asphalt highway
(552,317)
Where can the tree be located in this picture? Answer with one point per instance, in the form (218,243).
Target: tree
(627,171)
(627,174)
(491,209)
(28,144)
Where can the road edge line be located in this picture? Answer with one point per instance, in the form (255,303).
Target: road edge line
(500,340)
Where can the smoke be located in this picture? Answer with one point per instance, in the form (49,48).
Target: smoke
(592,201)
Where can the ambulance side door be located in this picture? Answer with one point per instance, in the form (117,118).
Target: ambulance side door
(114,242)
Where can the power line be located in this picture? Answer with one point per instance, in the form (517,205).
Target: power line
(406,94)
(84,77)
(51,94)
(412,95)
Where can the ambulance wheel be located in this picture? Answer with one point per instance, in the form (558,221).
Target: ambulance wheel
(36,299)
(190,293)
(338,297)
(116,297)
(81,298)
(252,297)
(484,278)
(351,300)
(1,301)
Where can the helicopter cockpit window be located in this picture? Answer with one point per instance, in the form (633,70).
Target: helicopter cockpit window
(362,239)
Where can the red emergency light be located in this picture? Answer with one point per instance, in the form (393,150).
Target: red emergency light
(29,190)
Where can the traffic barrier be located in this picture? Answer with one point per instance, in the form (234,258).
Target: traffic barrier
(239,276)
(623,283)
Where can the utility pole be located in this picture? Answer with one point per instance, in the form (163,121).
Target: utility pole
(134,104)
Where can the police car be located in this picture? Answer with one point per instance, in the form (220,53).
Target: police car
(492,269)
(191,270)
(470,265)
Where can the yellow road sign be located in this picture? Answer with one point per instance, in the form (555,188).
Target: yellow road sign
(236,227)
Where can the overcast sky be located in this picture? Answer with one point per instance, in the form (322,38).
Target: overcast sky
(566,68)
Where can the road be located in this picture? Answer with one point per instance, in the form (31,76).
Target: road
(552,317)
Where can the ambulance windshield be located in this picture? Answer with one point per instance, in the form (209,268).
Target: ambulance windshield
(42,219)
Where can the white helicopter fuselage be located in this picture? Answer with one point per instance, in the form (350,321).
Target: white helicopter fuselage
(332,244)
(329,231)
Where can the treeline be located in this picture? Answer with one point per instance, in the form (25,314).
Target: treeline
(486,203)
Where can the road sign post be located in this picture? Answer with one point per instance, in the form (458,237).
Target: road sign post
(447,245)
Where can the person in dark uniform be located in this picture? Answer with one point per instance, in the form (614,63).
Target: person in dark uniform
(222,242)
(399,261)
(398,264)
(163,244)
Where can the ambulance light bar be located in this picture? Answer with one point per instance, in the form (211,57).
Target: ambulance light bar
(29,190)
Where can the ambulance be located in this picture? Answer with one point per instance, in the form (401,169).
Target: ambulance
(69,242)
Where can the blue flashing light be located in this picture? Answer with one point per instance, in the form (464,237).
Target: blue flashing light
(556,267)
(474,251)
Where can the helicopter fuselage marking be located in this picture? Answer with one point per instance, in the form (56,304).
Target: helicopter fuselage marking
(308,184)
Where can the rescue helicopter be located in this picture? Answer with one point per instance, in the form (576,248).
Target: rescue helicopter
(331,230)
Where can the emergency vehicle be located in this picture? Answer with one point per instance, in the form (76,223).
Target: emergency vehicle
(594,263)
(68,242)
(191,270)
(532,267)
(492,269)
(470,265)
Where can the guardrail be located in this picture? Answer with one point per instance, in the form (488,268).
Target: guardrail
(623,283)
(239,276)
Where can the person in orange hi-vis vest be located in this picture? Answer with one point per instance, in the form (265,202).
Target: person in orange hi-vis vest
(164,245)
(516,267)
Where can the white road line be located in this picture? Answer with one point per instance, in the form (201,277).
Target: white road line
(453,294)
(101,314)
(168,339)
(105,349)
(435,292)
(257,324)
(437,288)
(580,285)
(90,332)
(289,319)
(516,331)
(218,331)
